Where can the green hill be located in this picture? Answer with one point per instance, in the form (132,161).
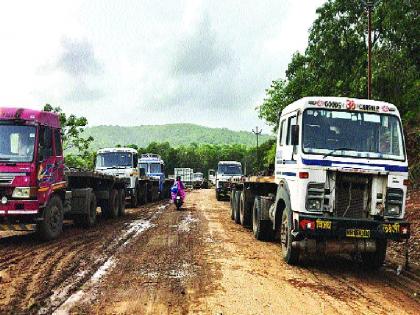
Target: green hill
(175,134)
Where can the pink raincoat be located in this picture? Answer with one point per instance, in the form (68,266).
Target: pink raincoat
(181,191)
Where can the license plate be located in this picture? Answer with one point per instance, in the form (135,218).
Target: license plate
(358,233)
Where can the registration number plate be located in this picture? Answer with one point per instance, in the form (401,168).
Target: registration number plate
(358,233)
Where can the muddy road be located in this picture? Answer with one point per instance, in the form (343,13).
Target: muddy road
(161,261)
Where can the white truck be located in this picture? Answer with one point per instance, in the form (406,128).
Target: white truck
(340,181)
(186,175)
(227,173)
(123,163)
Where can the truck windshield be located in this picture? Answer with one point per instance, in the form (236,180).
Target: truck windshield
(17,143)
(114,159)
(354,134)
(229,169)
(145,166)
(155,168)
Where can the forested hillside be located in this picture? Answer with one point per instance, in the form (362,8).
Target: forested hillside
(174,134)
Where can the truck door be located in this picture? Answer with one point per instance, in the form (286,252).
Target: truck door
(46,162)
(285,157)
(59,157)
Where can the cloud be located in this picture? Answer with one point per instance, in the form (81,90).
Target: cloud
(81,92)
(201,52)
(78,58)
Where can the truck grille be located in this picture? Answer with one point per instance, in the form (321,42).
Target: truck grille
(6,179)
(352,195)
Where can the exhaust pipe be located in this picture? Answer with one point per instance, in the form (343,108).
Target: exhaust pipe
(311,246)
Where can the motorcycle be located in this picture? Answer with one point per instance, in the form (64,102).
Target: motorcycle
(178,202)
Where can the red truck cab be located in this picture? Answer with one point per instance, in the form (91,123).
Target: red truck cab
(31,170)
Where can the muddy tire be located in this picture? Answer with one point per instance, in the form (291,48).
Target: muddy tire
(245,211)
(262,229)
(110,209)
(134,201)
(121,198)
(231,199)
(52,224)
(374,261)
(290,254)
(89,219)
(218,196)
(236,214)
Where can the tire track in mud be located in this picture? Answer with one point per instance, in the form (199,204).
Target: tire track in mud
(32,272)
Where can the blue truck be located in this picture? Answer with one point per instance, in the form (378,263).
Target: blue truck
(154,168)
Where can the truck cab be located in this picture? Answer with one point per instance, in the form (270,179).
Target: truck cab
(340,181)
(121,163)
(31,163)
(198,180)
(227,172)
(154,167)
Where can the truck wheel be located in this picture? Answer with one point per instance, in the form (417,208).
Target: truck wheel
(262,229)
(111,205)
(218,196)
(232,207)
(373,261)
(237,210)
(88,220)
(52,224)
(245,214)
(121,198)
(290,254)
(134,200)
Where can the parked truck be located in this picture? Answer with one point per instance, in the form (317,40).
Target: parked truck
(186,175)
(36,190)
(123,163)
(340,181)
(198,180)
(154,168)
(228,172)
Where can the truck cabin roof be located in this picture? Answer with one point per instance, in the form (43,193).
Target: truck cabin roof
(341,103)
(30,116)
(150,158)
(108,150)
(230,162)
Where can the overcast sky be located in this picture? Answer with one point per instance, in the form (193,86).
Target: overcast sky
(150,62)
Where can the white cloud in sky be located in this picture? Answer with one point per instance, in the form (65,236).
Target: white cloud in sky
(135,62)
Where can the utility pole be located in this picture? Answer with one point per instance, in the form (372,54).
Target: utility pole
(369,7)
(257,132)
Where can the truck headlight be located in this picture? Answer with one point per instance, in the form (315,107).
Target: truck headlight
(393,210)
(314,204)
(24,192)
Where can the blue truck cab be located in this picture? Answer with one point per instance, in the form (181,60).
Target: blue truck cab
(154,167)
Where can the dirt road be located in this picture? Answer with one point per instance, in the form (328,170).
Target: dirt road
(161,261)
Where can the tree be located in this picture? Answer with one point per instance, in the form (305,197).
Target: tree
(73,141)
(335,61)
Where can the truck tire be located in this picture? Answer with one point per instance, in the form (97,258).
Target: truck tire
(262,229)
(375,260)
(111,205)
(121,198)
(245,211)
(232,209)
(218,196)
(290,254)
(134,201)
(52,224)
(236,200)
(88,220)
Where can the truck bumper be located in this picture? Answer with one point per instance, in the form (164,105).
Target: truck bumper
(19,207)
(319,227)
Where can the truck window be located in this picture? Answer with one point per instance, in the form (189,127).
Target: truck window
(283,132)
(57,140)
(17,143)
(292,121)
(155,168)
(135,160)
(45,142)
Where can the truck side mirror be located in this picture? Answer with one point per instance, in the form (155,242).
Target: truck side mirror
(142,172)
(295,135)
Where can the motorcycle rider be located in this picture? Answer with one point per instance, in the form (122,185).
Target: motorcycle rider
(179,189)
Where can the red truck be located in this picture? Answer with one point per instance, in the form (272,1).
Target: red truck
(37,191)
